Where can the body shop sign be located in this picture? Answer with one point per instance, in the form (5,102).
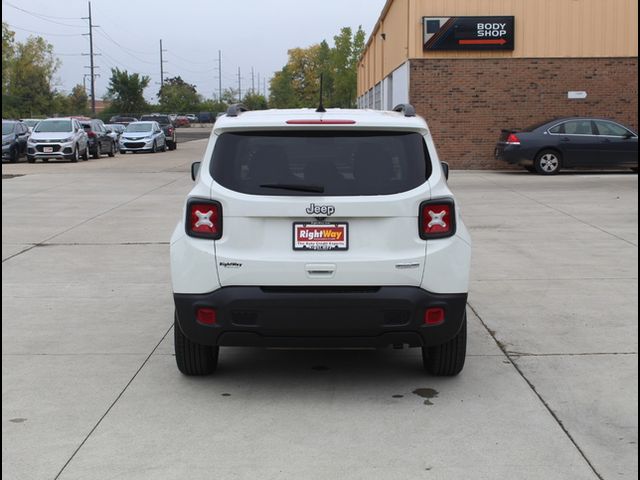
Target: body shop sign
(468,33)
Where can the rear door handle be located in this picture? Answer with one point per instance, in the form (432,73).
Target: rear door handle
(564,139)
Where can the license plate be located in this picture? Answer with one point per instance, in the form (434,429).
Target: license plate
(316,236)
(47,149)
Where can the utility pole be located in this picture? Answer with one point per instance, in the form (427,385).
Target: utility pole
(162,62)
(92,66)
(220,75)
(253,82)
(239,86)
(259,83)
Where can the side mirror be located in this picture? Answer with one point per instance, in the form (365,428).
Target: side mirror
(195,168)
(445,169)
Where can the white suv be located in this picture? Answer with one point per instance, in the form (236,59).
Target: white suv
(320,229)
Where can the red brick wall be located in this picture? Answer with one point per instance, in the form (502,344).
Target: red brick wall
(468,101)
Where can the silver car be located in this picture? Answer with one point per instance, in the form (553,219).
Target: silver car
(115,130)
(58,138)
(143,136)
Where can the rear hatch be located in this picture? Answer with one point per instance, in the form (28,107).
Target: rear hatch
(314,207)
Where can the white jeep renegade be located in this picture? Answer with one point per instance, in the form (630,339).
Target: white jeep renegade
(320,229)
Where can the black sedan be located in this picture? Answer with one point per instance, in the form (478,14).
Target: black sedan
(570,143)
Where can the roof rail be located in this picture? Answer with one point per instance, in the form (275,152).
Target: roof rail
(236,109)
(406,108)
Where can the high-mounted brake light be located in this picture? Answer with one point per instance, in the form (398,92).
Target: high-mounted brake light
(437,219)
(91,134)
(320,122)
(513,139)
(204,219)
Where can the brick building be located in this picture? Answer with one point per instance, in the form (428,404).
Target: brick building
(474,67)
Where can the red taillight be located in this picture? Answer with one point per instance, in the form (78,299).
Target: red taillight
(513,139)
(434,316)
(91,134)
(204,219)
(170,130)
(206,316)
(437,219)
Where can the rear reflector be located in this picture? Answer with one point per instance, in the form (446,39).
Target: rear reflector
(206,316)
(437,219)
(513,139)
(204,219)
(320,122)
(434,316)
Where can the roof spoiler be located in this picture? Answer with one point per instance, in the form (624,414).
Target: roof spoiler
(406,108)
(236,109)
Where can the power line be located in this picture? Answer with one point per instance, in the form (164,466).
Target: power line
(124,49)
(44,33)
(45,17)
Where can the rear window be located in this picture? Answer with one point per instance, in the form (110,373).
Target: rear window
(332,163)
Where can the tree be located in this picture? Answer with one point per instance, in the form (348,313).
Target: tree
(298,83)
(176,95)
(8,53)
(126,92)
(27,70)
(78,101)
(255,101)
(229,96)
(282,93)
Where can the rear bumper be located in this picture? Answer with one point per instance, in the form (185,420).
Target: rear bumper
(513,154)
(320,316)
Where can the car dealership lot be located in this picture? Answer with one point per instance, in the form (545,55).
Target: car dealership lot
(91,390)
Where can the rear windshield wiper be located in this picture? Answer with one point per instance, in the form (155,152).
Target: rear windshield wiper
(295,188)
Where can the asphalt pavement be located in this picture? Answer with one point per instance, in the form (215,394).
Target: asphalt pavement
(90,388)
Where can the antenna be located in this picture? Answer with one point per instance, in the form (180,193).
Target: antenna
(321,108)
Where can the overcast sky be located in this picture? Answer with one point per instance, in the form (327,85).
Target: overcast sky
(250,33)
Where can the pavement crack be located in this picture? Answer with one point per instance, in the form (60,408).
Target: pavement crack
(146,360)
(43,242)
(579,354)
(533,389)
(556,209)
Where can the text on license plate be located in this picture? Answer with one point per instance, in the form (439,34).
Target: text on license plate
(47,149)
(313,236)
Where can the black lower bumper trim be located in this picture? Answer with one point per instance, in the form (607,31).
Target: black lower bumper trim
(309,317)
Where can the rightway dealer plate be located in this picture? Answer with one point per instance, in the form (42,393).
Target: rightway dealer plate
(315,236)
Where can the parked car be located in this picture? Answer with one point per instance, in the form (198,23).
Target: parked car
(143,136)
(324,230)
(14,140)
(573,142)
(58,138)
(206,117)
(167,127)
(31,122)
(122,120)
(192,117)
(181,121)
(100,141)
(115,130)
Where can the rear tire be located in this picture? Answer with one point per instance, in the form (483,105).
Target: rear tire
(548,162)
(97,153)
(172,145)
(192,358)
(447,360)
(13,155)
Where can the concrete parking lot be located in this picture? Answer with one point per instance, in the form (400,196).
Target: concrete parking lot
(90,388)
